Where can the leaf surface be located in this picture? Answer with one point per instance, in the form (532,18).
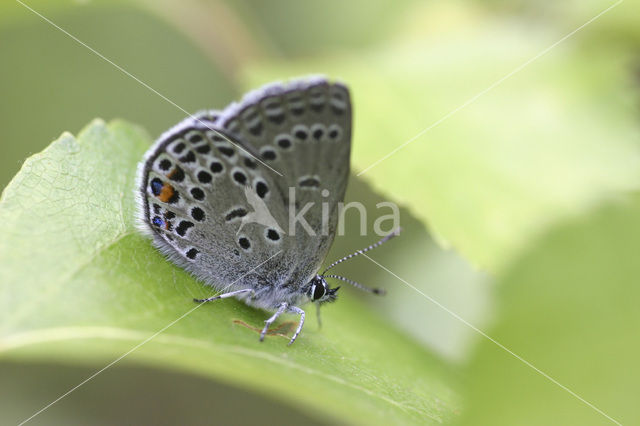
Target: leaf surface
(80,285)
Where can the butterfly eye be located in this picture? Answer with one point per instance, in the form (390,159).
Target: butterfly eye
(317,291)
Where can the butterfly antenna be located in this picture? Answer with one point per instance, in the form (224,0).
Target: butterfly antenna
(393,233)
(356,285)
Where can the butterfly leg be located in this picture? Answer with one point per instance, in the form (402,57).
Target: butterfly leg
(296,310)
(281,309)
(225,295)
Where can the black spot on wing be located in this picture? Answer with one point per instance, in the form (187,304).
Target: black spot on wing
(309,182)
(256,129)
(235,213)
(192,253)
(301,134)
(204,177)
(198,214)
(240,177)
(177,174)
(276,118)
(183,226)
(204,149)
(262,189)
(226,151)
(250,163)
(216,167)
(268,154)
(197,193)
(179,148)
(273,235)
(244,243)
(195,138)
(164,164)
(189,157)
(284,142)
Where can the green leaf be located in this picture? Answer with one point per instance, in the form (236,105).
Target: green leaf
(570,307)
(135,395)
(79,285)
(496,169)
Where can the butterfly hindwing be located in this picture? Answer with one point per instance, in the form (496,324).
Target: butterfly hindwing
(219,212)
(193,196)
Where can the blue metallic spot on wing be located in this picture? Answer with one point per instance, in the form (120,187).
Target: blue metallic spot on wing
(156,186)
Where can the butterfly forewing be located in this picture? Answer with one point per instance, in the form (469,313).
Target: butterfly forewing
(303,131)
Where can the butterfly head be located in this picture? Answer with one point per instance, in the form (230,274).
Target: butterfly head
(320,292)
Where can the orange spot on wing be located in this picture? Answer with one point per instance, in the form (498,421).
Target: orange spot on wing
(166,193)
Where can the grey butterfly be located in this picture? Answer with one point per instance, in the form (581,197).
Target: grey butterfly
(217,193)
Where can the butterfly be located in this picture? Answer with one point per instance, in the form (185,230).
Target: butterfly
(246,199)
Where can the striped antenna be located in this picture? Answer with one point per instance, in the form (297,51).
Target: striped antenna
(356,285)
(393,233)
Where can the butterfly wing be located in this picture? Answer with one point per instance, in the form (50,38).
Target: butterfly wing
(301,130)
(218,212)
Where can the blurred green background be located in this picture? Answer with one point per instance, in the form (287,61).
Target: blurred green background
(535,165)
